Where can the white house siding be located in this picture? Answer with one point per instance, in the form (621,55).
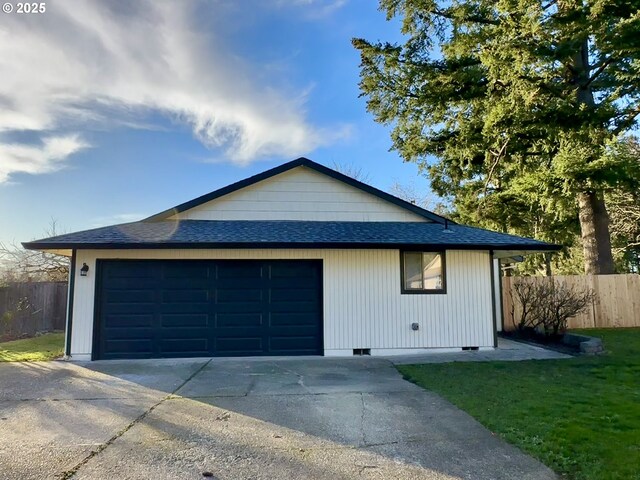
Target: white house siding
(363,306)
(300,194)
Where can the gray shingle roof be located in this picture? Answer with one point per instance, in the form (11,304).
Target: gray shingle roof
(287,234)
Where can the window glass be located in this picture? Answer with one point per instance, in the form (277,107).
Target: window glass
(413,271)
(432,271)
(423,271)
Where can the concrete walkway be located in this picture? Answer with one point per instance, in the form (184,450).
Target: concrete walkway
(507,350)
(315,418)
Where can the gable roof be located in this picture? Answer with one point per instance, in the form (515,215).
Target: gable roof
(300,162)
(289,234)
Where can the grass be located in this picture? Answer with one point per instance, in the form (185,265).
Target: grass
(581,417)
(44,347)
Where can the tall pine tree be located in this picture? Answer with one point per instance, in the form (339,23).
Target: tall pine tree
(512,107)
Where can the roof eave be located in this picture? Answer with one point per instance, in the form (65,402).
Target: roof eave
(530,248)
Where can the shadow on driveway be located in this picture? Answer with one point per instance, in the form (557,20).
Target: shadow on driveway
(316,418)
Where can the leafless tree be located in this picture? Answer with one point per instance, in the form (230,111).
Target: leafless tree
(353,171)
(20,265)
(410,193)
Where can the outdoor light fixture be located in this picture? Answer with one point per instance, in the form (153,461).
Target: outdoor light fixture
(84,270)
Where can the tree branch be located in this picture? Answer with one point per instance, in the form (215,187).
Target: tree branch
(470,19)
(599,71)
(627,122)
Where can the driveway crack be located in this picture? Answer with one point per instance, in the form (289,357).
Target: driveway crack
(364,439)
(68,474)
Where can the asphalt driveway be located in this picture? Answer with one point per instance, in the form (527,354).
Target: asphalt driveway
(297,419)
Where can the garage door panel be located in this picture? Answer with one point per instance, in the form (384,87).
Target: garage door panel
(208,308)
(239,270)
(185,296)
(184,320)
(129,333)
(194,346)
(182,308)
(294,270)
(130,270)
(294,307)
(131,346)
(187,271)
(293,331)
(239,345)
(129,296)
(287,344)
(114,309)
(292,319)
(227,320)
(129,320)
(184,283)
(178,333)
(246,295)
(279,295)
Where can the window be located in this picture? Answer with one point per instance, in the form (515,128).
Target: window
(422,272)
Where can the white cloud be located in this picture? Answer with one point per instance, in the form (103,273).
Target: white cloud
(87,62)
(44,158)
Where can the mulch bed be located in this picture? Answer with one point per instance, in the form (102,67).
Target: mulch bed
(551,342)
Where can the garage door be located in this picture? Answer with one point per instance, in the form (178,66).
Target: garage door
(166,308)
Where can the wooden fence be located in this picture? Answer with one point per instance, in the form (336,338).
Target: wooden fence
(28,308)
(616,304)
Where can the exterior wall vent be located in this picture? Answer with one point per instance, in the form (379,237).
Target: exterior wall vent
(362,351)
(470,348)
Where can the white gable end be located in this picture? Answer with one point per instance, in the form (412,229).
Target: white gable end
(301,194)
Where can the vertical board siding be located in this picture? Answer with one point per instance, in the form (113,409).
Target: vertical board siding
(363,306)
(617,301)
(301,194)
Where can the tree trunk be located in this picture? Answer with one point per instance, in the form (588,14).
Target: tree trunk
(547,265)
(594,219)
(596,241)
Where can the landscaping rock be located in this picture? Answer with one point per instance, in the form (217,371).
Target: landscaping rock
(587,345)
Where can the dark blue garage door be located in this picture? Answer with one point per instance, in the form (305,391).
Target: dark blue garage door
(170,308)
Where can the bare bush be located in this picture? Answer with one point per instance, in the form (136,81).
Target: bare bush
(547,305)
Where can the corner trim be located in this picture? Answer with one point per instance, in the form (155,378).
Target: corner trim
(70,295)
(493,301)
(97,300)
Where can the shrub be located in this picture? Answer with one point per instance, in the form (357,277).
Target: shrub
(546,305)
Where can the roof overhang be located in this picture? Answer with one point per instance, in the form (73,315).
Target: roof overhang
(514,254)
(499,251)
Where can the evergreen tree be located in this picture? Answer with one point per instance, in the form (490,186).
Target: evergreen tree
(512,108)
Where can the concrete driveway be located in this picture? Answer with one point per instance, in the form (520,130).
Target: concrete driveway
(297,419)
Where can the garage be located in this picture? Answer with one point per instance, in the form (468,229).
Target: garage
(193,308)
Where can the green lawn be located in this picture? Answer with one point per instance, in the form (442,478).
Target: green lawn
(580,416)
(44,347)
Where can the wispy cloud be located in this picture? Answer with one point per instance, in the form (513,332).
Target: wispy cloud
(314,9)
(86,63)
(118,218)
(47,157)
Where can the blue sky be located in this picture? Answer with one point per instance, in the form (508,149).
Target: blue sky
(111,112)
